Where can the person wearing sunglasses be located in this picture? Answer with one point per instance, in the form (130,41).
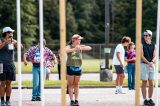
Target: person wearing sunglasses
(148,58)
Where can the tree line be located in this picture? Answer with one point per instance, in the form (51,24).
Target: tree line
(85,17)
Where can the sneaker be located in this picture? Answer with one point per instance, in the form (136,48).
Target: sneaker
(8,103)
(116,92)
(33,99)
(146,103)
(76,103)
(130,88)
(38,98)
(72,103)
(121,92)
(3,103)
(151,102)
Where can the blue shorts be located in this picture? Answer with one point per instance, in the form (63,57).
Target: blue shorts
(147,73)
(119,69)
(73,73)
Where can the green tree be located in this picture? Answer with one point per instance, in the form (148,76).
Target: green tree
(8,14)
(51,21)
(29,23)
(88,18)
(123,22)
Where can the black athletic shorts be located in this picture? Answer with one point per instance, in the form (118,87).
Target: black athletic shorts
(9,72)
(119,69)
(73,73)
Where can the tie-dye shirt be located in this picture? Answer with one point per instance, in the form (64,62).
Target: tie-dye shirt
(33,54)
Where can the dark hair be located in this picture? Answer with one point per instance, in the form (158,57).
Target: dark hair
(4,34)
(126,39)
(129,45)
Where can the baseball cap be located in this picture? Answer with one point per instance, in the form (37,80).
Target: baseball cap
(147,32)
(76,36)
(7,29)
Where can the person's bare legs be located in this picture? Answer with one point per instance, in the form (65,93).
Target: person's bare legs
(144,85)
(76,86)
(8,88)
(117,80)
(151,87)
(47,76)
(122,76)
(2,88)
(70,80)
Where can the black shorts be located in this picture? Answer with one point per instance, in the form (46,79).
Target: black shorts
(119,69)
(9,72)
(73,73)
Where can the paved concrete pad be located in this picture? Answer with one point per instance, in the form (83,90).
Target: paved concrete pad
(87,97)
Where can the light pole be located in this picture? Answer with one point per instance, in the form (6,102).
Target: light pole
(107,26)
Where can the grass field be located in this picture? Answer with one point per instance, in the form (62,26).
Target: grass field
(88,66)
(57,83)
(84,83)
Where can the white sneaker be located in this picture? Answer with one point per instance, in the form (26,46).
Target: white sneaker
(117,91)
(121,92)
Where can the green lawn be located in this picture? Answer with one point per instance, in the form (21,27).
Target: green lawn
(84,83)
(57,83)
(88,66)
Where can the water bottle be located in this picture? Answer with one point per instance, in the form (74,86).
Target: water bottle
(10,45)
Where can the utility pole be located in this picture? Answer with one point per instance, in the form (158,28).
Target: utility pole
(107,25)
(62,11)
(138,49)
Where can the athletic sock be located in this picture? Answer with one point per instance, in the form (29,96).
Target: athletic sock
(144,99)
(2,98)
(7,98)
(117,88)
(120,88)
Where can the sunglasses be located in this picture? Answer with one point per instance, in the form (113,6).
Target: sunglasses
(147,35)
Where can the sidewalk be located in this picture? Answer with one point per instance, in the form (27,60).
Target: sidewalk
(87,97)
(85,76)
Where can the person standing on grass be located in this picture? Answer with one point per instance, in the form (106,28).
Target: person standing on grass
(33,54)
(118,62)
(74,62)
(130,57)
(50,64)
(7,66)
(148,57)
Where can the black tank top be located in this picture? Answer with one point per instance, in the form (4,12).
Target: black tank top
(148,50)
(6,55)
